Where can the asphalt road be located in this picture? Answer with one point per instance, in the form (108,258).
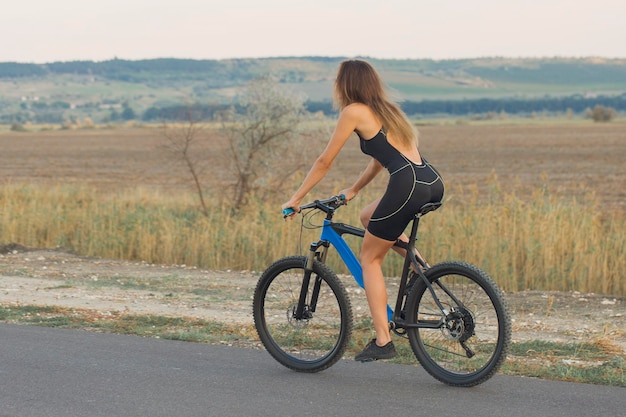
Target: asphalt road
(54,372)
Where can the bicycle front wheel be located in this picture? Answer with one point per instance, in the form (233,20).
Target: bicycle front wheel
(472,338)
(308,335)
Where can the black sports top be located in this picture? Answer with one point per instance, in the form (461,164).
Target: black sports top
(410,186)
(380,149)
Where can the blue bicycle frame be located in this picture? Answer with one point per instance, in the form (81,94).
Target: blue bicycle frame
(332,233)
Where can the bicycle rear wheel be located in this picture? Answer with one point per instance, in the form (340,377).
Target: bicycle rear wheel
(310,340)
(475,334)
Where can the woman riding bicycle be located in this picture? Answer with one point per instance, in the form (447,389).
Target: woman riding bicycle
(388,137)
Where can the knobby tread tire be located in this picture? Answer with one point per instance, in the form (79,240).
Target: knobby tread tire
(486,283)
(272,346)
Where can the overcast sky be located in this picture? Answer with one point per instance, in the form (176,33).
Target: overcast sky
(63,30)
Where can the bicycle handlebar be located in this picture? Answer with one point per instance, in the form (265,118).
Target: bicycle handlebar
(325,205)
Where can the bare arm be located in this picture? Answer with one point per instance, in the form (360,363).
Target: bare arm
(346,125)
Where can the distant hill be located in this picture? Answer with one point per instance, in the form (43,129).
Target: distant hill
(104,89)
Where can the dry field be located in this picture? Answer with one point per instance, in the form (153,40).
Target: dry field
(570,158)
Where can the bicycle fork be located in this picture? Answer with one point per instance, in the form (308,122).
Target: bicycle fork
(304,310)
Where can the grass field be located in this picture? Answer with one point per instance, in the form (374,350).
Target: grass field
(540,206)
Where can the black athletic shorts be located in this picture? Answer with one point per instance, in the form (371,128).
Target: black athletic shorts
(409,188)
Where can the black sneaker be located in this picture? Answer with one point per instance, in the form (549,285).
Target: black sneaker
(373,352)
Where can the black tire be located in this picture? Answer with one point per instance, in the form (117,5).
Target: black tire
(311,344)
(481,323)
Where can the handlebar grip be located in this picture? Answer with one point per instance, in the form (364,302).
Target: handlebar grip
(288,211)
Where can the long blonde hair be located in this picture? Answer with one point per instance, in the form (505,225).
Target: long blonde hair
(358,82)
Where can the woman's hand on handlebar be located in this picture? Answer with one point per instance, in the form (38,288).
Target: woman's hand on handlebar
(348,194)
(291,208)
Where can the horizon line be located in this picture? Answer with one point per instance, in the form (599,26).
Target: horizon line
(330,57)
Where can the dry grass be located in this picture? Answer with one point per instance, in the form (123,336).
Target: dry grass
(547,243)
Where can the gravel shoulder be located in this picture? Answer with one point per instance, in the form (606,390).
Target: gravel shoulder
(57,278)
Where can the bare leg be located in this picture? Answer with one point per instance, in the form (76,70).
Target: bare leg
(372,255)
(366,215)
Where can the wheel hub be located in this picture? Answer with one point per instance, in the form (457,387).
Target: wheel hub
(459,325)
(298,322)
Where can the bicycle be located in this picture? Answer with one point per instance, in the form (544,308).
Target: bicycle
(453,314)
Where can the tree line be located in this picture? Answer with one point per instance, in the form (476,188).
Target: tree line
(164,69)
(575,103)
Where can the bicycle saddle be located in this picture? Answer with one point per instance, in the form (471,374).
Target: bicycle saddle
(428,207)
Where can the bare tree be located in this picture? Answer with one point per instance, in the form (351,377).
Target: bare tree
(265,139)
(266,143)
(182,142)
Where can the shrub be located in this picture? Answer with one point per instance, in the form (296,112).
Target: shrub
(601,114)
(18,127)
